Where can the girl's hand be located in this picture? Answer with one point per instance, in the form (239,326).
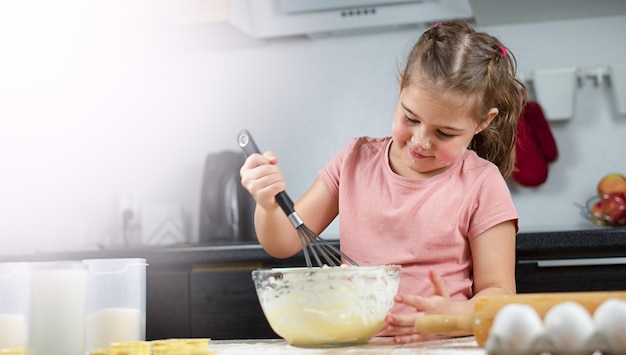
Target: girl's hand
(261,176)
(401,326)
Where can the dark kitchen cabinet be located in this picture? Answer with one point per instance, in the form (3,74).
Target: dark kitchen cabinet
(224,306)
(223,300)
(576,275)
(167,304)
(592,260)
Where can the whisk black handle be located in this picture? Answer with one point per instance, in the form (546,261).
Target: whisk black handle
(247,144)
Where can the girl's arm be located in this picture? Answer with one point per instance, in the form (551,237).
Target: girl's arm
(276,233)
(493,256)
(261,176)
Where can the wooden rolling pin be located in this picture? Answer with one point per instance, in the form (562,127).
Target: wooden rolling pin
(485,309)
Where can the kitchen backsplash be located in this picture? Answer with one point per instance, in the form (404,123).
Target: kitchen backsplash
(136,115)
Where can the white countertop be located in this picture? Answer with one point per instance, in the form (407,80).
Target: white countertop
(379,346)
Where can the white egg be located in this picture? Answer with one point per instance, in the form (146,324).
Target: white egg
(516,326)
(569,326)
(610,321)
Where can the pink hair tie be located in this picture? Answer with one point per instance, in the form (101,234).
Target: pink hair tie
(437,24)
(503,51)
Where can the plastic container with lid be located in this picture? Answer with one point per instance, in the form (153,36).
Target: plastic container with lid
(14,305)
(115,301)
(57,308)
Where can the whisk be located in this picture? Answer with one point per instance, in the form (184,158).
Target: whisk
(313,245)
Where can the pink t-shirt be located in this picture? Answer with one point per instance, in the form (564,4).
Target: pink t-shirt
(385,218)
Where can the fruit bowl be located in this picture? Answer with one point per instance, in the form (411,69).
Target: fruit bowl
(606,210)
(327,306)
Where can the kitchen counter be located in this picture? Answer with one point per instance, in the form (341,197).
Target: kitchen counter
(189,287)
(599,241)
(379,346)
(574,243)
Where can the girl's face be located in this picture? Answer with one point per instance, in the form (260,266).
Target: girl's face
(431,130)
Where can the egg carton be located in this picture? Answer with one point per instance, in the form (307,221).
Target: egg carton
(567,328)
(596,344)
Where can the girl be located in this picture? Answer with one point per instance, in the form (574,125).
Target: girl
(430,197)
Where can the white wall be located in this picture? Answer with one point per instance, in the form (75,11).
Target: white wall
(91,109)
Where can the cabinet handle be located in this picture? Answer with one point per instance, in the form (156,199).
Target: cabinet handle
(581,262)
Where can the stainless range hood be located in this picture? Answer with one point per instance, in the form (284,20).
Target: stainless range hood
(279,18)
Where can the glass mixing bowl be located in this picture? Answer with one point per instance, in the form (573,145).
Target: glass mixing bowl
(327,306)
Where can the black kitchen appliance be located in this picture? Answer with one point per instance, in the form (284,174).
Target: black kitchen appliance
(226,208)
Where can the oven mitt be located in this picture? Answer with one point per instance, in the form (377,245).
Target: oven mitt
(535,147)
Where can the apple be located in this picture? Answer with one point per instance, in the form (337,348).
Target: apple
(613,208)
(596,214)
(612,183)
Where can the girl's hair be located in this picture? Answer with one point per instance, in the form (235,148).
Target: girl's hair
(454,57)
